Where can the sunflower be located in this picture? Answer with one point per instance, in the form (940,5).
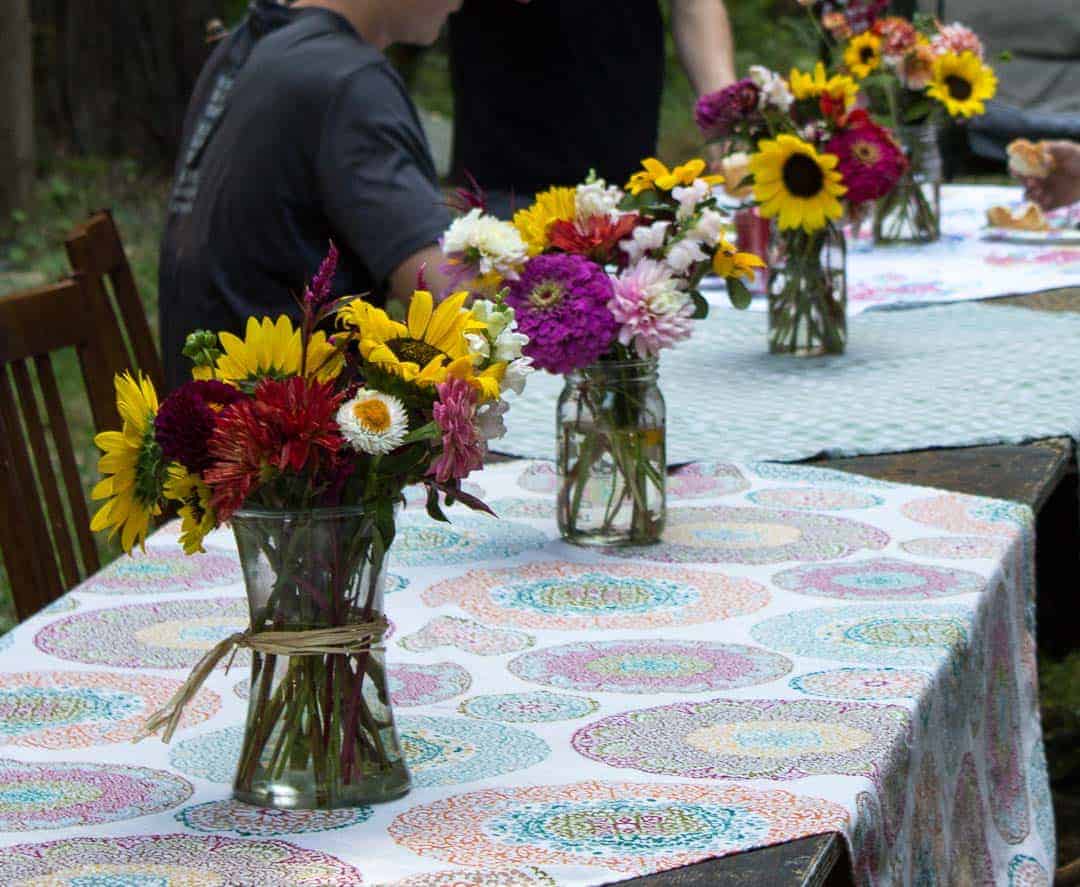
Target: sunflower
(133,465)
(961,82)
(729,262)
(656,175)
(813,86)
(196,514)
(863,54)
(426,350)
(553,205)
(795,182)
(272,351)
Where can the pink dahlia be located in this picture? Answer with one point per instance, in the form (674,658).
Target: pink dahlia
(718,113)
(561,303)
(653,313)
(871,162)
(956,38)
(463,447)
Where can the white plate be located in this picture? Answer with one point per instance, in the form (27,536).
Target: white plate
(1053,237)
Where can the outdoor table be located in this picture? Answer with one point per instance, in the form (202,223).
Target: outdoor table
(806,653)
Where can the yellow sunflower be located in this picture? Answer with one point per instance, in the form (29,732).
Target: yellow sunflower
(553,205)
(729,262)
(812,86)
(429,347)
(132,465)
(196,514)
(272,350)
(793,181)
(656,175)
(863,54)
(961,82)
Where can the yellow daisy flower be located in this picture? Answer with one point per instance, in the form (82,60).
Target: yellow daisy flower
(553,205)
(197,515)
(132,464)
(812,86)
(272,350)
(428,348)
(961,82)
(863,54)
(656,175)
(729,262)
(793,181)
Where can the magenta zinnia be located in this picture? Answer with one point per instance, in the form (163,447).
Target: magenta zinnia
(871,162)
(718,113)
(463,448)
(561,304)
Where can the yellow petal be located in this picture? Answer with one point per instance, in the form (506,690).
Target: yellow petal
(420,310)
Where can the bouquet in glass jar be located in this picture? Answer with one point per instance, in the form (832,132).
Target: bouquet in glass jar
(912,74)
(602,279)
(805,156)
(304,439)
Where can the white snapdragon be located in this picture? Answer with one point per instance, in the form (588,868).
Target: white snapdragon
(774,89)
(493,245)
(690,197)
(596,198)
(710,227)
(517,373)
(684,254)
(646,238)
(489,419)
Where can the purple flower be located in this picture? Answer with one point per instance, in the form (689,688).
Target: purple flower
(561,304)
(718,113)
(322,283)
(186,420)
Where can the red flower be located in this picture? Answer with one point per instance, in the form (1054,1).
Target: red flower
(287,427)
(186,420)
(595,238)
(871,162)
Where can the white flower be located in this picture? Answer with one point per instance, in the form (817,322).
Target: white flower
(683,254)
(516,375)
(690,196)
(646,238)
(508,346)
(479,347)
(495,316)
(373,422)
(596,198)
(493,245)
(489,419)
(774,88)
(710,228)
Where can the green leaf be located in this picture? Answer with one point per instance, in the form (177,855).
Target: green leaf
(918,111)
(738,293)
(19,216)
(434,510)
(424,432)
(701,306)
(1005,55)
(402,462)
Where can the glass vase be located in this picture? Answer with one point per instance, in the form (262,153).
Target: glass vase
(612,458)
(320,729)
(808,292)
(911,212)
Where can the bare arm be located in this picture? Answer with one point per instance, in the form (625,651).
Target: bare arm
(403,278)
(702,35)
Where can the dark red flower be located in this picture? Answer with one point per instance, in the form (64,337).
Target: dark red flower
(186,420)
(595,238)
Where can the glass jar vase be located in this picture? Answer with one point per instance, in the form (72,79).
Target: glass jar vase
(612,455)
(911,212)
(807,292)
(320,729)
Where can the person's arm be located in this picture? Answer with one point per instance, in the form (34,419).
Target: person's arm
(702,35)
(404,278)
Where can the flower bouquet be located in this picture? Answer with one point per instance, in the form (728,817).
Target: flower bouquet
(304,439)
(912,73)
(601,280)
(806,156)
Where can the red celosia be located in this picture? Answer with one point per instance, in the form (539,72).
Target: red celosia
(595,238)
(287,426)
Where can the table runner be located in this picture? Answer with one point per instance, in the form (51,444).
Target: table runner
(806,651)
(962,266)
(948,376)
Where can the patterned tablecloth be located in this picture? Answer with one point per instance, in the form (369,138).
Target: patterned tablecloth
(964,265)
(805,652)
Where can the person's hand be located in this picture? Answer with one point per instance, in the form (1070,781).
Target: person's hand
(1062,186)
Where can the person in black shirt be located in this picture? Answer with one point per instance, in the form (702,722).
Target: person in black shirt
(545,92)
(299,132)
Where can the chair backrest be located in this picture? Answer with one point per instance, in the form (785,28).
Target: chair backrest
(96,251)
(45,534)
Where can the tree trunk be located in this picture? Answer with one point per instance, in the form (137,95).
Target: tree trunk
(17,100)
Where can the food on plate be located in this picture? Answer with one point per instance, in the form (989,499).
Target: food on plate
(1024,218)
(1031,159)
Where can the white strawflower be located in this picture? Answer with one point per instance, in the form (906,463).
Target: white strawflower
(486,243)
(517,373)
(690,196)
(683,254)
(645,238)
(373,422)
(489,419)
(774,89)
(596,198)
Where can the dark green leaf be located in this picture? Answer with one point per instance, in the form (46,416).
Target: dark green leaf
(738,293)
(425,432)
(917,112)
(701,306)
(434,510)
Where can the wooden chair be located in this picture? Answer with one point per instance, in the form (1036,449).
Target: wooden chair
(45,534)
(96,251)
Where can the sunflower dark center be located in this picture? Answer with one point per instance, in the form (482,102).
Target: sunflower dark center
(802,176)
(546,294)
(866,54)
(959,88)
(414,351)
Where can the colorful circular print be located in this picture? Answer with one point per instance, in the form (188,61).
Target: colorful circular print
(969,854)
(723,534)
(625,827)
(266,822)
(6,640)
(74,709)
(243,688)
(412,684)
(529,509)
(969,515)
(168,634)
(958,548)
(395,583)
(898,635)
(1006,770)
(880,579)
(210,756)
(814,499)
(540,707)
(172,861)
(449,751)
(516,877)
(754,739)
(863,684)
(66,604)
(706,479)
(158,571)
(574,597)
(62,795)
(539,477)
(1024,871)
(781,471)
(422,542)
(1041,799)
(649,666)
(927,825)
(464,634)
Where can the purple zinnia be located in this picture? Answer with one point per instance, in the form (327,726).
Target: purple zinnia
(561,304)
(718,113)
(186,420)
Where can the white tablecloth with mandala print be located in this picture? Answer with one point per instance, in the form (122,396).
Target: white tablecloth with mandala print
(963,265)
(805,652)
